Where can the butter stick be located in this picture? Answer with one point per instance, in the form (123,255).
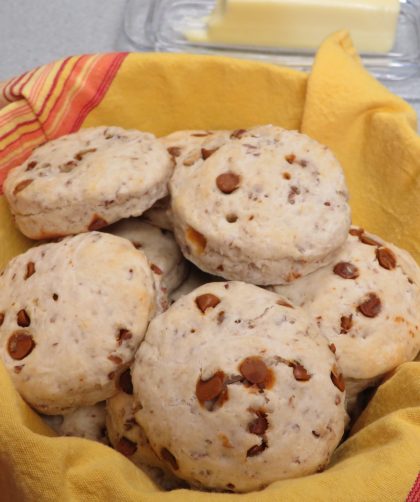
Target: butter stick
(301,24)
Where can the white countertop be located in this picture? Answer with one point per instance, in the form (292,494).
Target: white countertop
(36,32)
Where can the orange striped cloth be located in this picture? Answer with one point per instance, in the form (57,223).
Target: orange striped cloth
(51,101)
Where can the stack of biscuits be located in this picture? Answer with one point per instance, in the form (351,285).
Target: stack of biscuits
(200,302)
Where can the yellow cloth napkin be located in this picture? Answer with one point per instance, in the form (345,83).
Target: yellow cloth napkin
(373,134)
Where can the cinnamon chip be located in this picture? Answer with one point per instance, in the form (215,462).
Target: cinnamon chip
(23,320)
(356,231)
(20,345)
(207,301)
(196,239)
(254,370)
(207,390)
(368,240)
(386,258)
(168,457)
(370,307)
(346,270)
(256,449)
(126,447)
(259,425)
(228,182)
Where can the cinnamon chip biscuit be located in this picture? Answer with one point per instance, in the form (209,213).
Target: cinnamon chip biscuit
(160,214)
(87,180)
(252,394)
(268,206)
(73,315)
(367,304)
(166,260)
(87,422)
(127,437)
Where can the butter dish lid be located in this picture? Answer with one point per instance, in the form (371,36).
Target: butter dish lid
(182,25)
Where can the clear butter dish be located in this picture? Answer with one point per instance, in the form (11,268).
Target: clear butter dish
(176,25)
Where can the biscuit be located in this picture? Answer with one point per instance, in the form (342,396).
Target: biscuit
(87,180)
(252,394)
(127,437)
(265,208)
(160,214)
(166,260)
(367,304)
(72,315)
(87,422)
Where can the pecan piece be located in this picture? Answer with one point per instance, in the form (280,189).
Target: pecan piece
(338,379)
(237,133)
(123,335)
(156,269)
(125,383)
(79,156)
(30,270)
(346,323)
(206,153)
(368,240)
(21,186)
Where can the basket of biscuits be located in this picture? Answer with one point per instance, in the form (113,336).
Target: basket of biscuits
(191,306)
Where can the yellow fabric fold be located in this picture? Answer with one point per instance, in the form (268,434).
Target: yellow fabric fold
(373,134)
